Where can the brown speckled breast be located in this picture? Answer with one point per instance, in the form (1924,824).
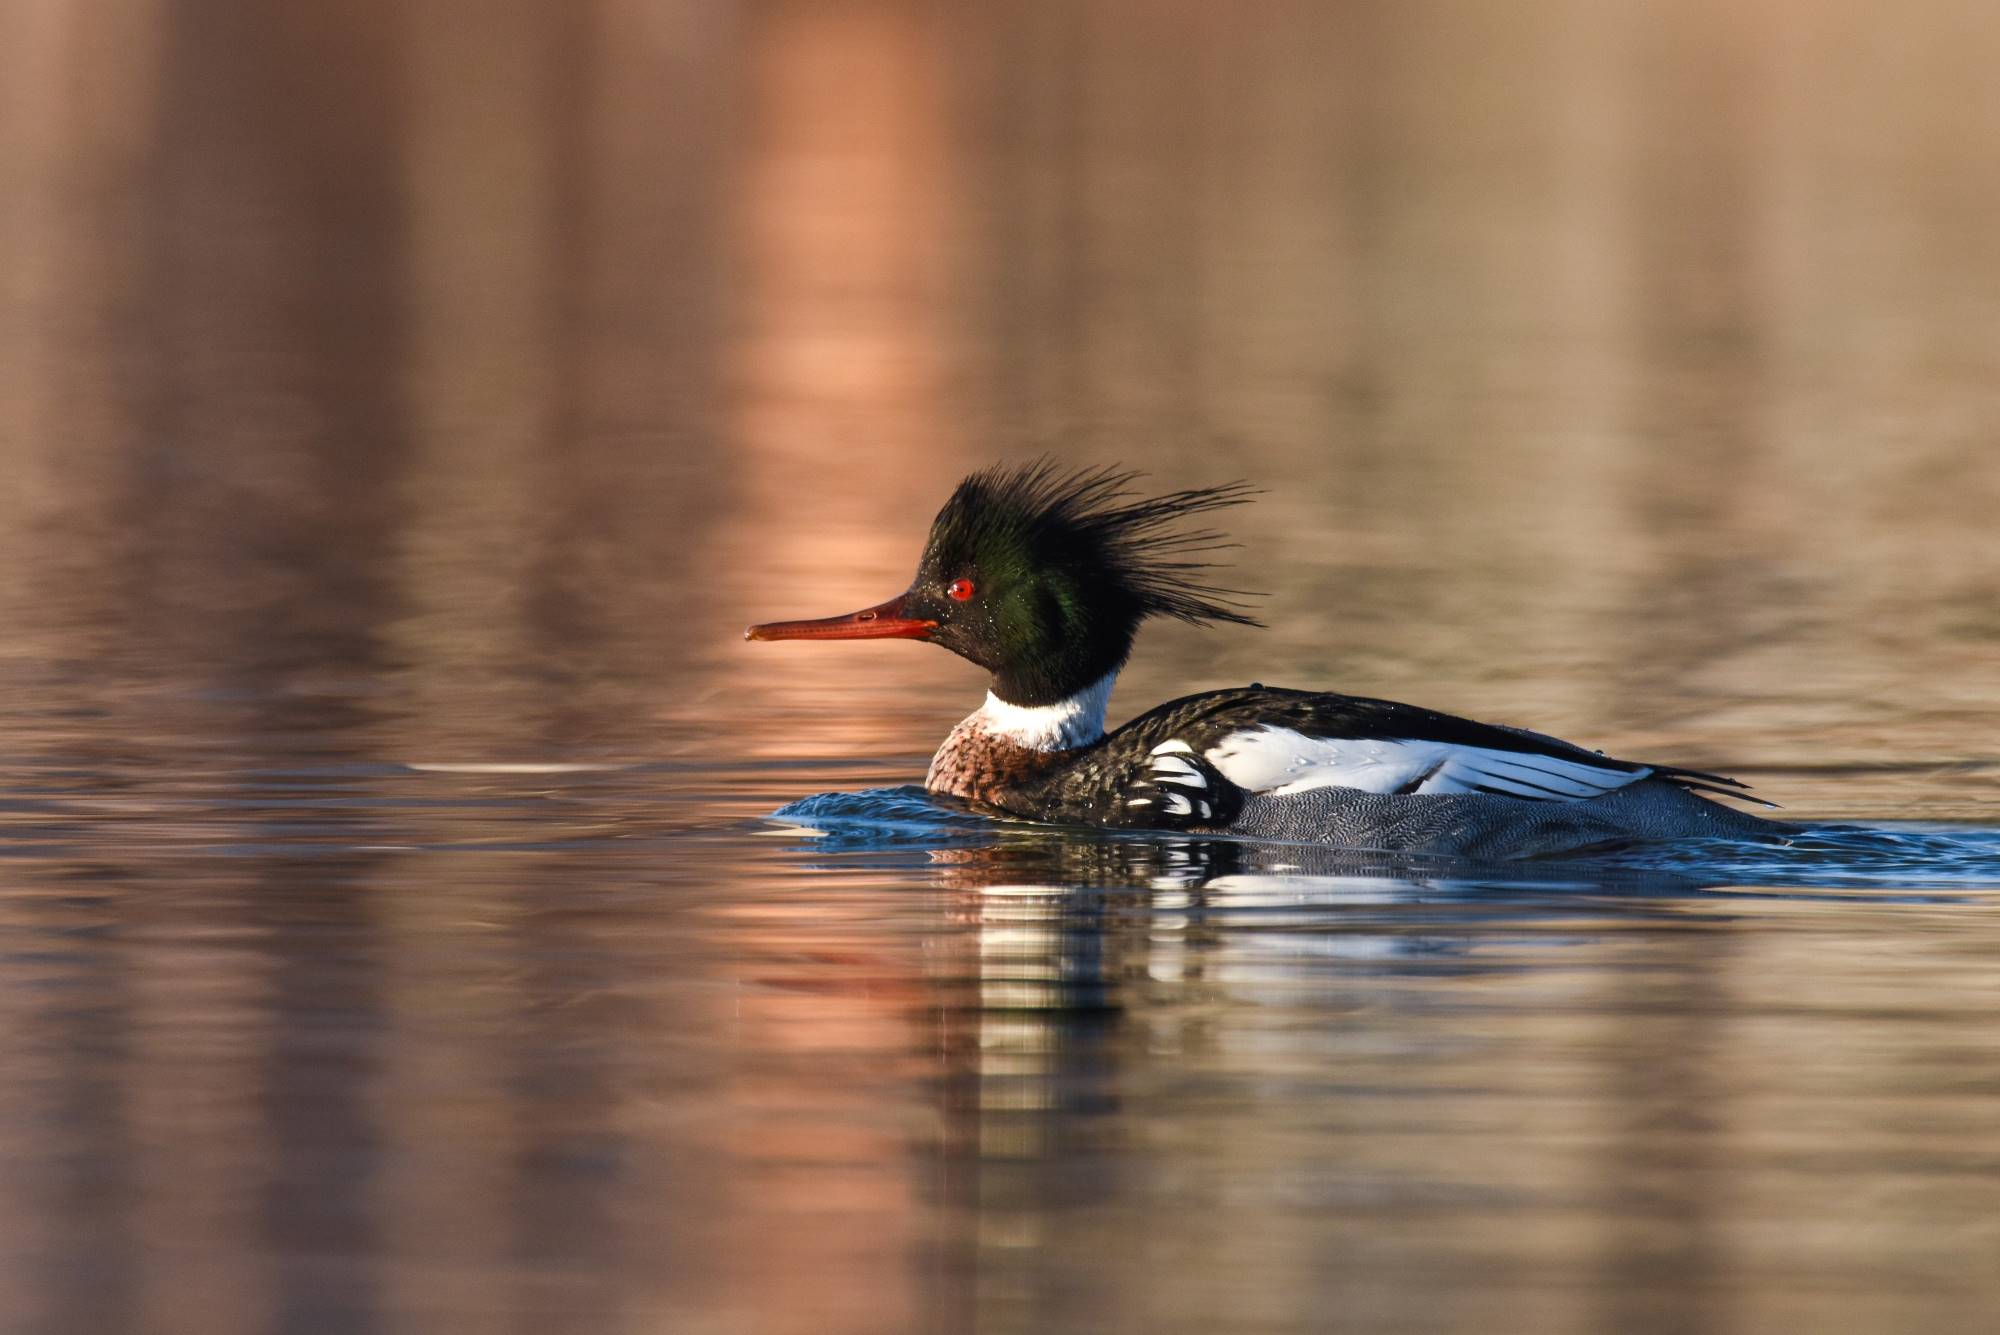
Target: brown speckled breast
(976,765)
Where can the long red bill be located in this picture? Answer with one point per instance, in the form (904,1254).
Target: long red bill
(884,621)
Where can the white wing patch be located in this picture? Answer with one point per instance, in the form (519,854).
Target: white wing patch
(1279,761)
(1172,769)
(1180,782)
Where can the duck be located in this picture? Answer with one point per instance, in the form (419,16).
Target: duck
(1043,574)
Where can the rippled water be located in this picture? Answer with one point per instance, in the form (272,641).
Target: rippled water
(421,912)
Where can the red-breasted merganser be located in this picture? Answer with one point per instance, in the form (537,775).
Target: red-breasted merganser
(1043,575)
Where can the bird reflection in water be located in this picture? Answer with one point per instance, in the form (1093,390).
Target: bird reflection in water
(1067,922)
(1113,999)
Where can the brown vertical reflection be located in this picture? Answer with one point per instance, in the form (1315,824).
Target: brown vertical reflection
(262,490)
(566,179)
(76,137)
(263,498)
(1094,130)
(1702,406)
(1161,257)
(568,1156)
(93,1277)
(1666,1262)
(73,1010)
(630,360)
(213,437)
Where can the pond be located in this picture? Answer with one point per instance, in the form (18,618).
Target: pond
(420,911)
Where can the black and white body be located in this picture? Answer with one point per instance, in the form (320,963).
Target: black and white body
(1043,577)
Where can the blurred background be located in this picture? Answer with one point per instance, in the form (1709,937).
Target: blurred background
(396,397)
(1625,370)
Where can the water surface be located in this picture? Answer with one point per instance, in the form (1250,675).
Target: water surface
(403,408)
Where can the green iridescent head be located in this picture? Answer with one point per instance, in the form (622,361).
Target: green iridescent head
(1042,575)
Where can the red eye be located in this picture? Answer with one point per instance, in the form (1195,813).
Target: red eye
(960,589)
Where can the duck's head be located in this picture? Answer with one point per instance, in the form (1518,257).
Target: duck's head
(1042,576)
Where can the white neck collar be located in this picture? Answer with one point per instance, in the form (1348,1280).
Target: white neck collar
(1062,726)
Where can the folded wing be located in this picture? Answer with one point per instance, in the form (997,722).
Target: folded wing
(1280,761)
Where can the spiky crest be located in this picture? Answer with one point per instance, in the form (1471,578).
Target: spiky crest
(1086,519)
(1066,563)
